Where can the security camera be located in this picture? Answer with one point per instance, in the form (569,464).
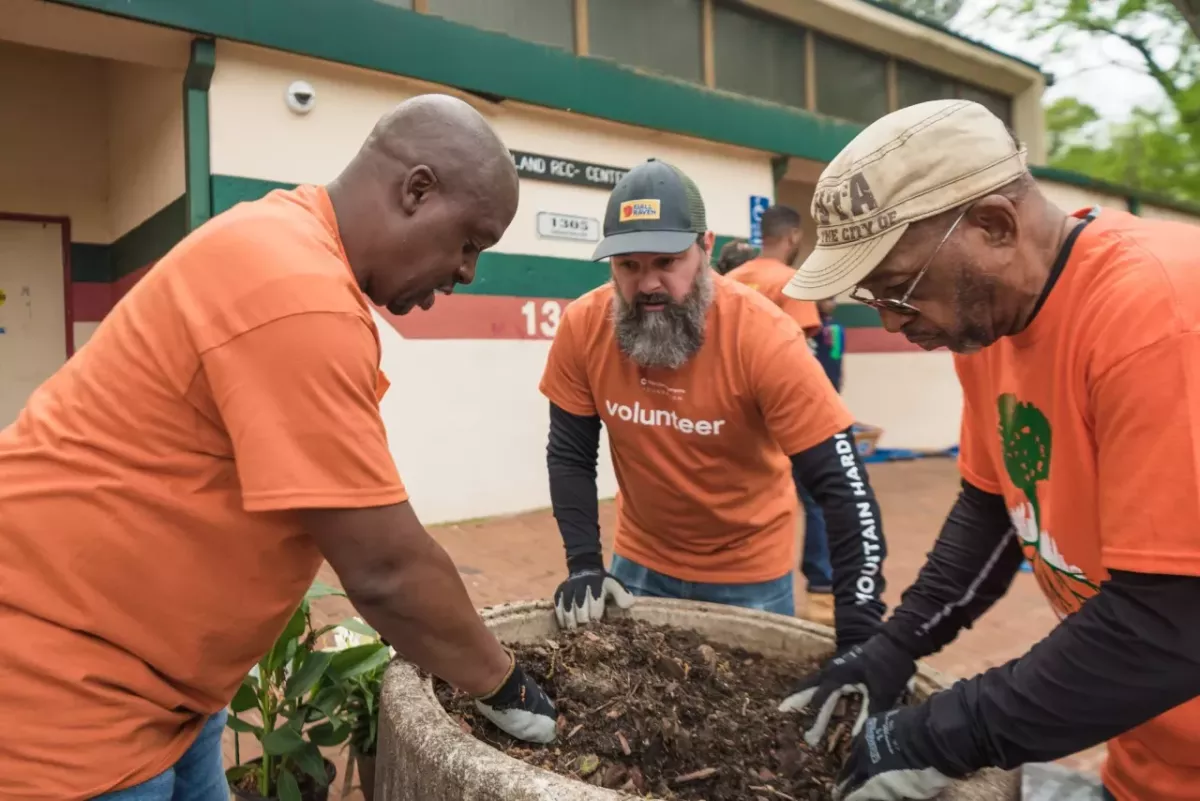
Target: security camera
(301,97)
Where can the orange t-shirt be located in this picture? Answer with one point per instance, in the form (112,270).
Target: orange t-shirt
(149,551)
(1087,423)
(770,276)
(701,452)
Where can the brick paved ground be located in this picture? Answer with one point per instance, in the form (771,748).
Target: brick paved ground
(519,557)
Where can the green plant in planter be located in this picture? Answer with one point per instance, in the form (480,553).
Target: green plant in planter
(360,709)
(297,689)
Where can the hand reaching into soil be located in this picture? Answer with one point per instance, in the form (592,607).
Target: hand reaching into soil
(521,708)
(878,671)
(583,596)
(883,763)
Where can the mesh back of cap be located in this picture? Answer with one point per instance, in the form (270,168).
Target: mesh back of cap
(695,202)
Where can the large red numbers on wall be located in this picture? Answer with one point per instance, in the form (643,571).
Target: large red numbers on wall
(541,317)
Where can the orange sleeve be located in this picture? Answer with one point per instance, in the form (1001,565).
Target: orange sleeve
(299,399)
(799,404)
(804,312)
(564,380)
(1146,410)
(977,429)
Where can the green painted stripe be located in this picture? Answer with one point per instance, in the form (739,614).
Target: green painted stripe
(378,36)
(91,264)
(141,246)
(150,241)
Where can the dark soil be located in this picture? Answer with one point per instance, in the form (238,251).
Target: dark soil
(654,710)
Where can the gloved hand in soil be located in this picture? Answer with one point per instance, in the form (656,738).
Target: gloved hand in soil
(886,763)
(878,671)
(583,596)
(521,708)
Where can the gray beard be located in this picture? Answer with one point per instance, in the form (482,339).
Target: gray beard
(666,338)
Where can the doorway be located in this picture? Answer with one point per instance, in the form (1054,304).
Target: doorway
(35,320)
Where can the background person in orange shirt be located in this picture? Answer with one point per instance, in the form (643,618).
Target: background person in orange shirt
(711,398)
(1077,342)
(168,495)
(782,236)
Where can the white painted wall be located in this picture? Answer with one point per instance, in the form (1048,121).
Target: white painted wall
(913,396)
(145,142)
(1069,197)
(1163,213)
(473,441)
(53,138)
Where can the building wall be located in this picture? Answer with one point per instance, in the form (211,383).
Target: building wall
(53,143)
(99,142)
(1163,213)
(472,442)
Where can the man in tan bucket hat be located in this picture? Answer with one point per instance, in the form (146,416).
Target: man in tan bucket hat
(1077,344)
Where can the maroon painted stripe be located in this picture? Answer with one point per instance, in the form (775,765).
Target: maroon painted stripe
(482,317)
(876,340)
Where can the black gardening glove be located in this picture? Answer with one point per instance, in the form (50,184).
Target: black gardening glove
(878,671)
(885,761)
(583,596)
(521,708)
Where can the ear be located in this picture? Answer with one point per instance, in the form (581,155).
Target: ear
(996,217)
(419,184)
(707,243)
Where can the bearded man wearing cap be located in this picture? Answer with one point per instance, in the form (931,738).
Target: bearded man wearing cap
(1077,344)
(711,398)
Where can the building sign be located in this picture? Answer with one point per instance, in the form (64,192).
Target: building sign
(566,171)
(758,204)
(567,226)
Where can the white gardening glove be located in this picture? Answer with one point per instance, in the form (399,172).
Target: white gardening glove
(583,596)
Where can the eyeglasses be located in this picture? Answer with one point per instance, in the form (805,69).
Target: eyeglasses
(901,305)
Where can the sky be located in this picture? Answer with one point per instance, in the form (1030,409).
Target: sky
(1096,79)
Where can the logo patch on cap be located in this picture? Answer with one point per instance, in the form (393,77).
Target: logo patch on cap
(649,209)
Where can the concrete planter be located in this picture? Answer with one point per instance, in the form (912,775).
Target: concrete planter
(424,756)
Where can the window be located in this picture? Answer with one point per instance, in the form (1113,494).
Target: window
(758,55)
(998,104)
(659,35)
(851,81)
(915,85)
(549,22)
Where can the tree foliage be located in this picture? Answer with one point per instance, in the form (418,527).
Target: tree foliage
(938,11)
(1157,149)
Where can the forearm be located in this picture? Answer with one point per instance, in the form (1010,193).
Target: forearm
(834,475)
(1130,654)
(571,453)
(971,566)
(423,610)
(409,590)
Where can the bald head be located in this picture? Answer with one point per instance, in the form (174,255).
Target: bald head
(431,188)
(449,136)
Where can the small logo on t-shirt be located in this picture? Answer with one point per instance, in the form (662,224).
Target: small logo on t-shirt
(642,416)
(659,388)
(648,209)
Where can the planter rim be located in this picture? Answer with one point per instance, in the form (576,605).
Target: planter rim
(409,692)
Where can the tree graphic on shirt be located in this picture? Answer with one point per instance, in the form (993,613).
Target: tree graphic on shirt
(1026,440)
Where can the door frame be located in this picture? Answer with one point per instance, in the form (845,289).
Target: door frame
(68,306)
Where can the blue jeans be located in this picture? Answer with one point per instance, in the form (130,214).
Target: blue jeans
(770,596)
(199,775)
(814,563)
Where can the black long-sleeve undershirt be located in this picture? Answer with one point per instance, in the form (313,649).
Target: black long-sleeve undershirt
(571,454)
(834,475)
(1129,654)
(971,566)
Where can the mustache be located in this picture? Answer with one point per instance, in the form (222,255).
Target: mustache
(653,299)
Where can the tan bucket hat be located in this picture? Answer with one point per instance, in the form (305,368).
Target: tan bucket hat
(909,165)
